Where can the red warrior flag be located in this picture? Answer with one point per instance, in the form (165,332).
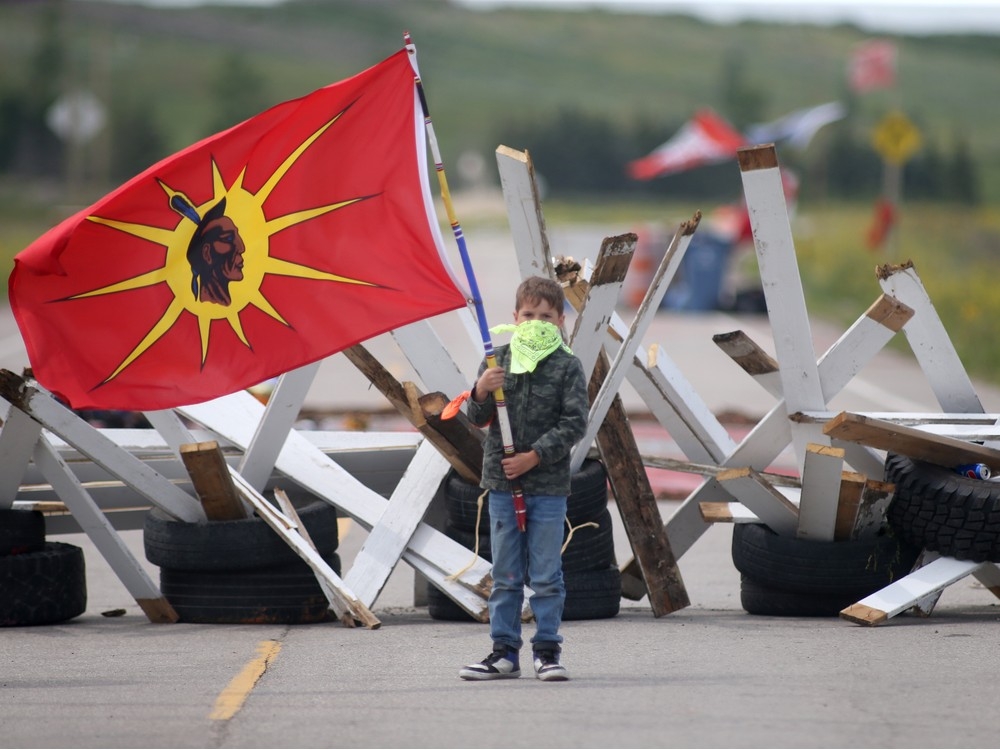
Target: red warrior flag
(278,242)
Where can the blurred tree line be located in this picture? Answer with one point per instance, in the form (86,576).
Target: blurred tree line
(132,137)
(575,152)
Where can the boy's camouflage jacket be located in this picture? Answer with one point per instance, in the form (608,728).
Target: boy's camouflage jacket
(548,412)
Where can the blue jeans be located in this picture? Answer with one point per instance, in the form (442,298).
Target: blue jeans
(534,558)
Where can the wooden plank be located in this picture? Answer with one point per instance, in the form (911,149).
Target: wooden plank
(432,360)
(379,377)
(100,531)
(280,414)
(709,470)
(852,486)
(457,444)
(900,595)
(602,294)
(457,432)
(387,540)
(821,481)
(90,442)
(909,441)
(442,560)
(779,272)
(18,437)
(657,566)
(524,212)
(770,506)
(929,340)
(345,604)
(872,507)
(678,407)
(210,477)
(458,440)
(646,312)
(746,353)
(727,513)
(654,571)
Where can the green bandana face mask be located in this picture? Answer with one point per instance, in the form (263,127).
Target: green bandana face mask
(533,341)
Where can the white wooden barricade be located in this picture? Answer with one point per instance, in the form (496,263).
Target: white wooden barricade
(800,382)
(38,433)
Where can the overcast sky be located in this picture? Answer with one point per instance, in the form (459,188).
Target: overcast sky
(912,16)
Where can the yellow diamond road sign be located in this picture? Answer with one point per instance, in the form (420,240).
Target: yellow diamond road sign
(896,138)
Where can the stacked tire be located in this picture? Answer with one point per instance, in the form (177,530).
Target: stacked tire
(938,509)
(590,571)
(41,582)
(241,572)
(792,577)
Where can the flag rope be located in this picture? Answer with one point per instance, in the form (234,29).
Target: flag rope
(520,511)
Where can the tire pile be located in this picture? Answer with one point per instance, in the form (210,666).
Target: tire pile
(938,509)
(590,572)
(41,582)
(241,572)
(792,577)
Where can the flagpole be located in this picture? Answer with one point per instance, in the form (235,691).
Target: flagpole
(520,511)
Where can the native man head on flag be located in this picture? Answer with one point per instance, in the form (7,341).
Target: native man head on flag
(215,254)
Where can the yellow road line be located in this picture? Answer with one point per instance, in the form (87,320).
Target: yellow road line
(231,700)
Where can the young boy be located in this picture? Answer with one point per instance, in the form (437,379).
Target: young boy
(546,396)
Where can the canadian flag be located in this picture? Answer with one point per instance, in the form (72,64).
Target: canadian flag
(704,139)
(872,66)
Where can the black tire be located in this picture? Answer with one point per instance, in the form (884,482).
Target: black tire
(286,595)
(592,594)
(590,548)
(44,587)
(468,540)
(589,494)
(761,599)
(588,498)
(935,508)
(21,531)
(246,544)
(462,504)
(440,606)
(850,568)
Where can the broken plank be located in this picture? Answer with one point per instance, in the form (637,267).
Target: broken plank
(210,476)
(872,507)
(343,601)
(655,568)
(909,441)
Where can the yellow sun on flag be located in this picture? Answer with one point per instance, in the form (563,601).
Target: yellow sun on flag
(246,212)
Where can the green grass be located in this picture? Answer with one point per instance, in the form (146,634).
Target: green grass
(951,249)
